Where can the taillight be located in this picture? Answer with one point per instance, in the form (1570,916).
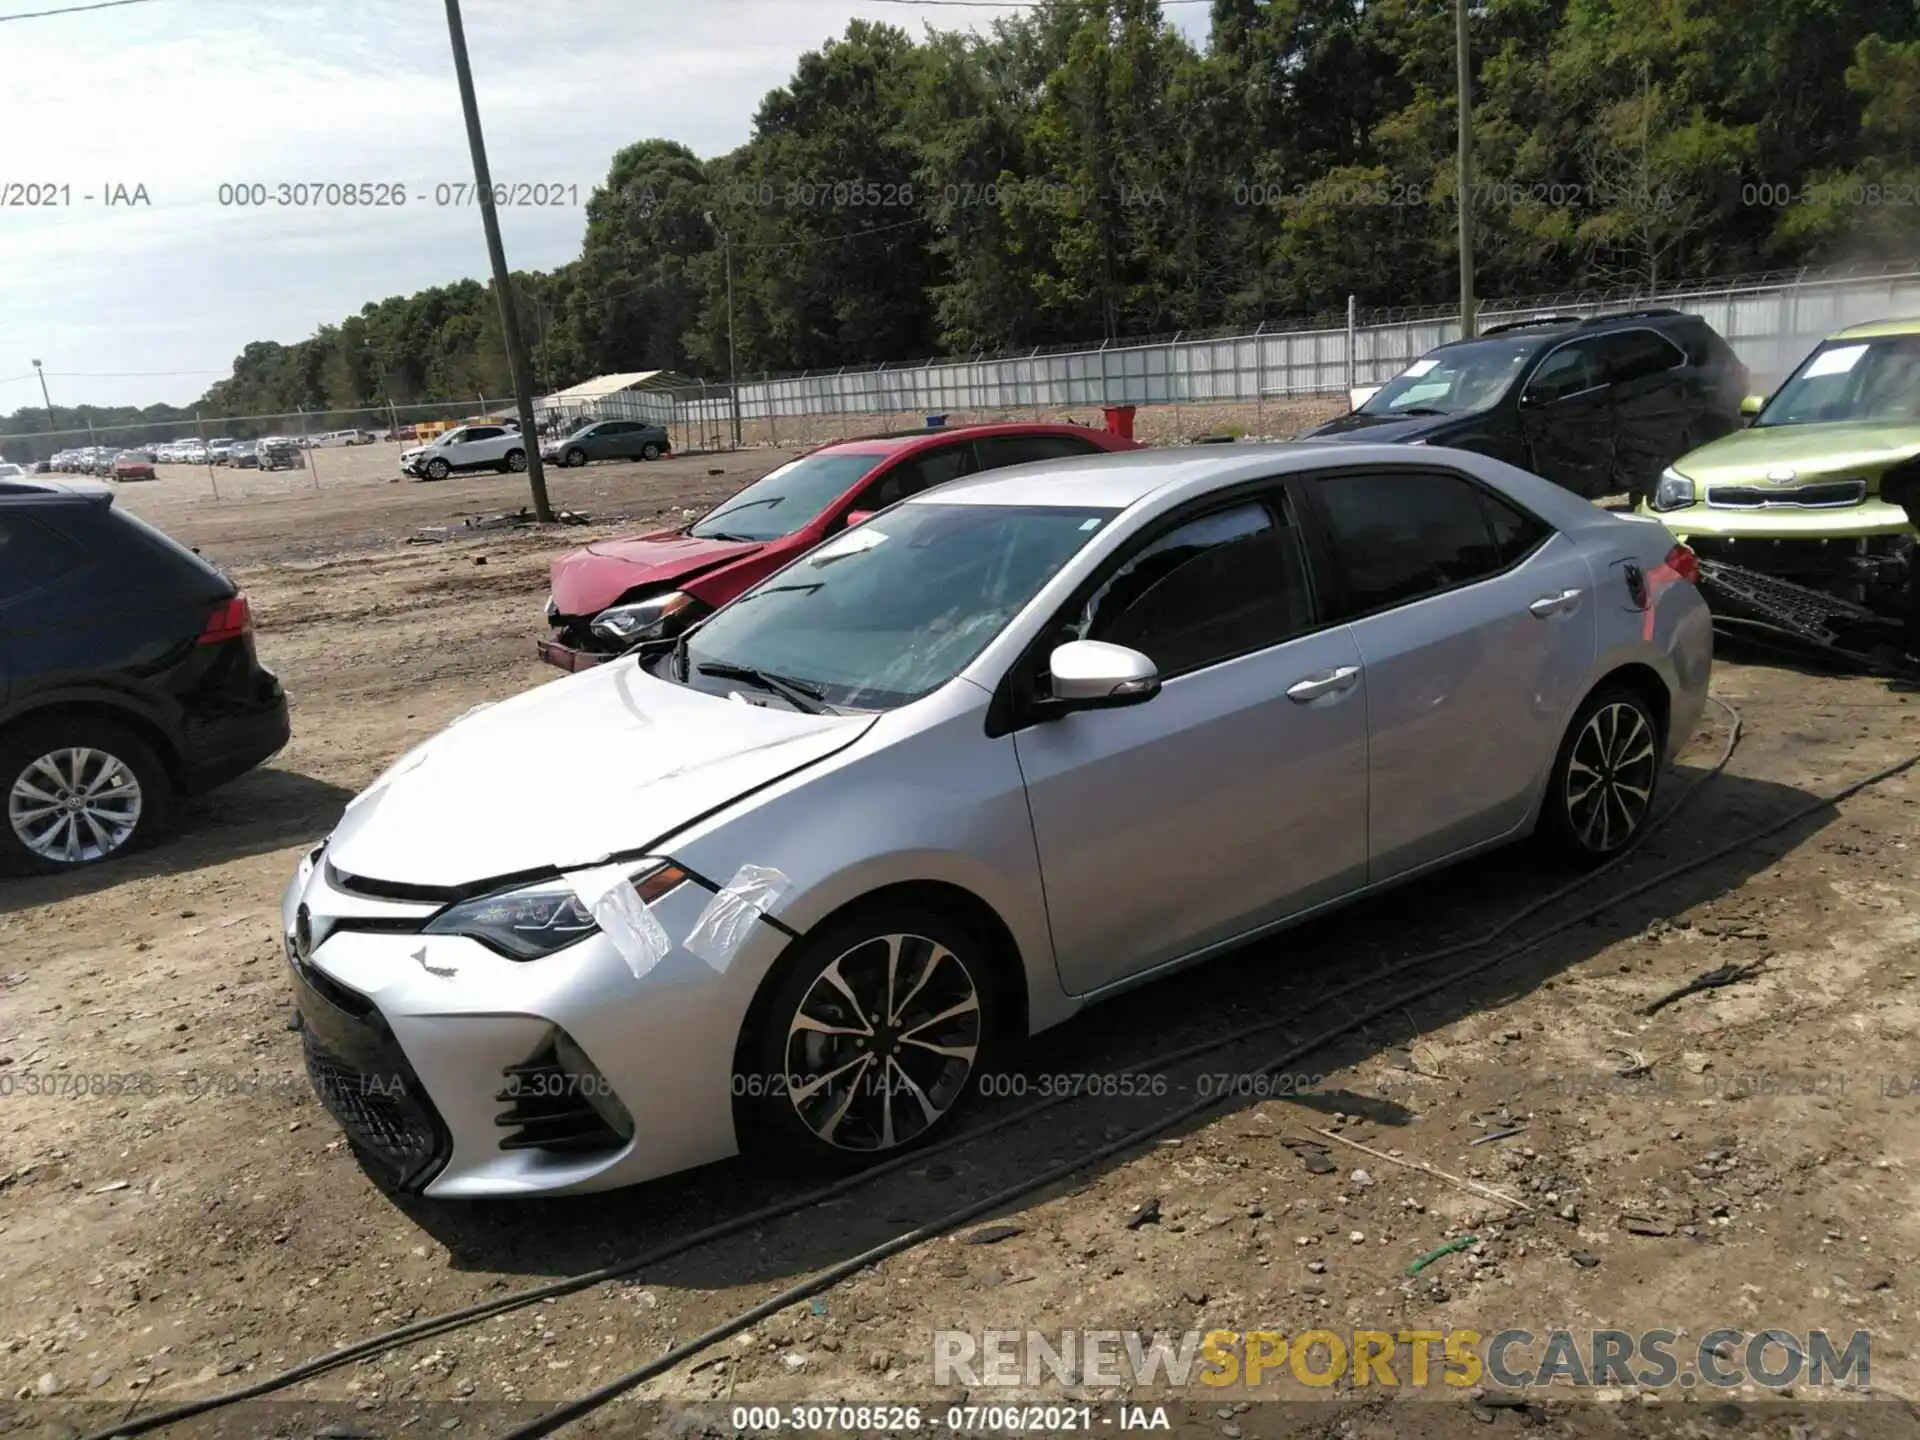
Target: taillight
(231,621)
(1684,563)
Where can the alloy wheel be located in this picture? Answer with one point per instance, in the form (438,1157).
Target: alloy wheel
(75,805)
(576,457)
(1610,776)
(517,461)
(883,1043)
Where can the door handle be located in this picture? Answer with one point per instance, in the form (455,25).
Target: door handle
(1559,604)
(1334,682)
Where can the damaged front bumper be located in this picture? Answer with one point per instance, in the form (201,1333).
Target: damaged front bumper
(569,657)
(456,1072)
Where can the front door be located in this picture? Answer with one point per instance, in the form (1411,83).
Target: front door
(1475,623)
(1654,407)
(1567,418)
(1236,795)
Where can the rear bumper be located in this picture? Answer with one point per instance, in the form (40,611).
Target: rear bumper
(564,656)
(222,745)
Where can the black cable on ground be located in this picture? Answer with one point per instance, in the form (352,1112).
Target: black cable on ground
(593,1400)
(434,1325)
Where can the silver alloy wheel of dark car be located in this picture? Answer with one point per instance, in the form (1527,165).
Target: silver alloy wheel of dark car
(75,805)
(438,469)
(882,1045)
(649,451)
(516,460)
(1610,776)
(576,457)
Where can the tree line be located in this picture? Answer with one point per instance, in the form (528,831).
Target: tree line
(1082,172)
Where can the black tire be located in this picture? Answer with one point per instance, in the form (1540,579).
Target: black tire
(25,744)
(649,451)
(776,1104)
(516,461)
(438,469)
(576,457)
(1616,738)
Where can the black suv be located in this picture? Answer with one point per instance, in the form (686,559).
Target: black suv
(1600,406)
(127,676)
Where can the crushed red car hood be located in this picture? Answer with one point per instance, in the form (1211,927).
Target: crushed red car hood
(587,580)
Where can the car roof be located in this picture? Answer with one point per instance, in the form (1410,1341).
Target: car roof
(1548,328)
(1119,481)
(904,441)
(1878,330)
(47,487)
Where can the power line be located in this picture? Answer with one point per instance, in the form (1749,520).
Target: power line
(76,9)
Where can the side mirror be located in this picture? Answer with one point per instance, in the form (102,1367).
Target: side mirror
(1752,405)
(859,517)
(1093,675)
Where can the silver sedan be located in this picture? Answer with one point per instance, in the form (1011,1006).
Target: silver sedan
(986,758)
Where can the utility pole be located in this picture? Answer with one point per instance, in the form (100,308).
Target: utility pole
(45,397)
(496,252)
(1464,90)
(733,379)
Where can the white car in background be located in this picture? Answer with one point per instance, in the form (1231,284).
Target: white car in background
(467,447)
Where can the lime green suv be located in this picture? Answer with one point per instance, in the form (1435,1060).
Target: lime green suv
(1798,493)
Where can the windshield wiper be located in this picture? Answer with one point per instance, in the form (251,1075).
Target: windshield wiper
(1419,410)
(800,696)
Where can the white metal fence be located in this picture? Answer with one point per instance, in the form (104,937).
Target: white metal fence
(1770,320)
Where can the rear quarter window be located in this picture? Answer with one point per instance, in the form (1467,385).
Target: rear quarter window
(162,555)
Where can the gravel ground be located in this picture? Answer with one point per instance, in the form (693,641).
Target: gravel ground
(1742,1158)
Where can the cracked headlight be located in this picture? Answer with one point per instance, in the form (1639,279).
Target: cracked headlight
(1674,492)
(644,619)
(544,918)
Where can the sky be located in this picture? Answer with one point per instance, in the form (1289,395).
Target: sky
(143,279)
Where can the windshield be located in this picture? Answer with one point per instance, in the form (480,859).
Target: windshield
(784,501)
(583,426)
(893,609)
(1454,380)
(1856,380)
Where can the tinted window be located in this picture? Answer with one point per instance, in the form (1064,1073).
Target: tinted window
(1400,536)
(910,477)
(485,432)
(999,450)
(1567,371)
(1515,533)
(1223,585)
(31,556)
(1636,354)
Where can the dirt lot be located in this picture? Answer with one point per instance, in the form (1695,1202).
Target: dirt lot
(1755,1169)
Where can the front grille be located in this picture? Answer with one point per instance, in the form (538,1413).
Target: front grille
(361,1076)
(1823,495)
(549,1108)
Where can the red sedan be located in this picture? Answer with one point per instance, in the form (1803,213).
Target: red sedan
(132,465)
(615,593)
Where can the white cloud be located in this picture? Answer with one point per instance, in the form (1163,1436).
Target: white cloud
(183,96)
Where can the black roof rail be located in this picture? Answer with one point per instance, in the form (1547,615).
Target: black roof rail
(1656,312)
(1536,320)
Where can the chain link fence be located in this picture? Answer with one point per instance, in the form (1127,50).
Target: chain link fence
(1271,381)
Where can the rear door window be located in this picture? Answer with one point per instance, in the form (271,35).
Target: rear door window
(1000,450)
(1399,536)
(1637,354)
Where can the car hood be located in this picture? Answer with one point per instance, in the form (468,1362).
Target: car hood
(1381,429)
(562,776)
(587,580)
(1845,448)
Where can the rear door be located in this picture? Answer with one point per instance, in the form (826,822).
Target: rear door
(1234,797)
(615,440)
(483,445)
(1567,419)
(1475,625)
(1654,406)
